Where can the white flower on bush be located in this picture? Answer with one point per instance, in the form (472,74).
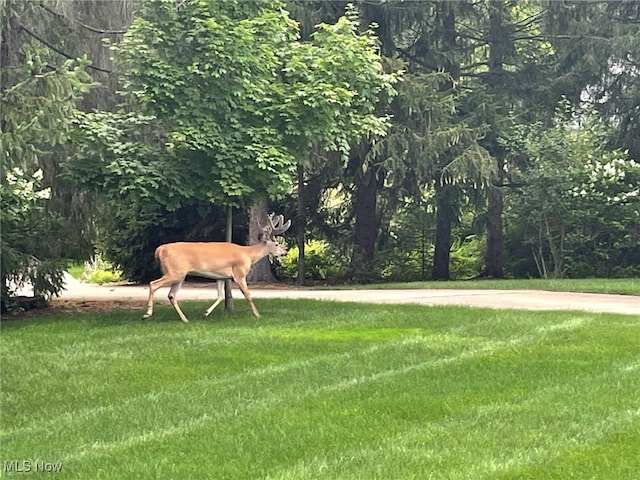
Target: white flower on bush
(23,191)
(44,193)
(613,170)
(605,178)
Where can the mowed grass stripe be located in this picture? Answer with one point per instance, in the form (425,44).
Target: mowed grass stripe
(218,390)
(427,449)
(524,432)
(387,466)
(154,352)
(220,385)
(210,384)
(348,392)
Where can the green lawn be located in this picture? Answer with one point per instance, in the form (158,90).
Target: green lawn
(321,390)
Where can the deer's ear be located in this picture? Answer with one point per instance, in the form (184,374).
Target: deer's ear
(261,237)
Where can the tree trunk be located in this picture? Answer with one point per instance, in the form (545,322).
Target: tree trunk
(445,216)
(10,48)
(301,223)
(445,198)
(366,227)
(494,253)
(261,270)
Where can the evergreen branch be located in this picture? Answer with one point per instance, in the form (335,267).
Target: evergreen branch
(83,25)
(545,38)
(626,21)
(474,66)
(525,23)
(407,55)
(57,50)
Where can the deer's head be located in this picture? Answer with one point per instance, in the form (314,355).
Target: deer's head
(275,226)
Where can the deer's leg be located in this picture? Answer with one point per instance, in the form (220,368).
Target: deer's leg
(220,285)
(172,298)
(242,283)
(163,281)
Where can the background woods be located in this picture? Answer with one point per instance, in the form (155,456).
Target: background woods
(410,140)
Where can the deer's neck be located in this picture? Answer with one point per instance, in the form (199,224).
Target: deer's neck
(257,252)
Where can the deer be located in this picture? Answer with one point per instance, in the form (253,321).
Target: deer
(216,260)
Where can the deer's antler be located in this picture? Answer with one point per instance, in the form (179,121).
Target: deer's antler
(279,226)
(276,226)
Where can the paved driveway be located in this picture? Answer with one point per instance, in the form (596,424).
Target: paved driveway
(515,299)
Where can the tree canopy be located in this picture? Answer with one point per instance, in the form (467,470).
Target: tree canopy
(223,100)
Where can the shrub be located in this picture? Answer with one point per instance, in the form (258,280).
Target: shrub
(100,271)
(399,265)
(322,262)
(467,257)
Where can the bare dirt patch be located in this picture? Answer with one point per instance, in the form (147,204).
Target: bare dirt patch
(71,306)
(95,305)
